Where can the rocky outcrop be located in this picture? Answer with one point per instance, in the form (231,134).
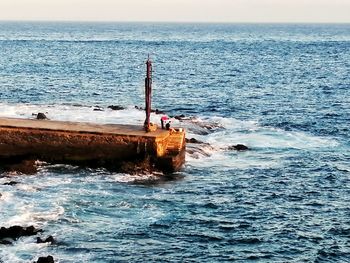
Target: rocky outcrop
(14,232)
(49,239)
(41,116)
(10,183)
(98,108)
(180,117)
(193,140)
(238,147)
(116,107)
(48,259)
(156,111)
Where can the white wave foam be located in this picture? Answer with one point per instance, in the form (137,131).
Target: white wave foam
(26,217)
(259,139)
(27,188)
(251,134)
(5,197)
(76,113)
(128,178)
(23,216)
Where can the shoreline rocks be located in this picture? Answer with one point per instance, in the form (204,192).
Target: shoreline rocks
(238,147)
(49,239)
(116,107)
(194,140)
(7,235)
(10,183)
(48,259)
(41,116)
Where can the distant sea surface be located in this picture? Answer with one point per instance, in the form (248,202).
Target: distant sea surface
(281,89)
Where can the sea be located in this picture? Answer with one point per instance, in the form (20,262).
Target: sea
(283,90)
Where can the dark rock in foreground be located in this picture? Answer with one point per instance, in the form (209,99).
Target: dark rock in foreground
(41,116)
(116,107)
(48,259)
(6,241)
(15,232)
(49,239)
(238,147)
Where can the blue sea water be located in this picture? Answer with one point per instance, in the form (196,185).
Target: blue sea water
(282,90)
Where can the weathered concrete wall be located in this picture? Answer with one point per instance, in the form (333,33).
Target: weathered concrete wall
(72,146)
(90,144)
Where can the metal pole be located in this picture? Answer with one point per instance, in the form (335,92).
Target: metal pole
(148,93)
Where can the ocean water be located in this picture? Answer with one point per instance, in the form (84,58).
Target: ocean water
(282,90)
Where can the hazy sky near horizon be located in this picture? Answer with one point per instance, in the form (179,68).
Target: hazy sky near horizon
(336,11)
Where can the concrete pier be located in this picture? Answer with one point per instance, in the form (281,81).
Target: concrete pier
(90,144)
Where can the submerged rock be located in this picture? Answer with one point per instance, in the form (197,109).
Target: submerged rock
(15,232)
(138,107)
(156,111)
(238,147)
(193,140)
(115,107)
(25,167)
(41,116)
(6,241)
(180,117)
(98,108)
(10,183)
(49,239)
(48,259)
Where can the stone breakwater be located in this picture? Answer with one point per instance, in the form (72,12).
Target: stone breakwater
(111,146)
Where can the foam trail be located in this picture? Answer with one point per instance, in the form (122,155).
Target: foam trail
(224,132)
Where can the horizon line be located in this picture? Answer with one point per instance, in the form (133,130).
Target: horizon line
(171,22)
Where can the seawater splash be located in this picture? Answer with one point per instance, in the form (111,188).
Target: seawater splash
(262,141)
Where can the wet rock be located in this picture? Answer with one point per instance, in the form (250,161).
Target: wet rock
(25,167)
(193,140)
(199,150)
(115,107)
(6,241)
(41,116)
(48,259)
(156,111)
(49,239)
(15,232)
(138,167)
(10,183)
(138,108)
(238,147)
(180,117)
(98,108)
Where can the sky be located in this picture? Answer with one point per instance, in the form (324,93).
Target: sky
(255,11)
